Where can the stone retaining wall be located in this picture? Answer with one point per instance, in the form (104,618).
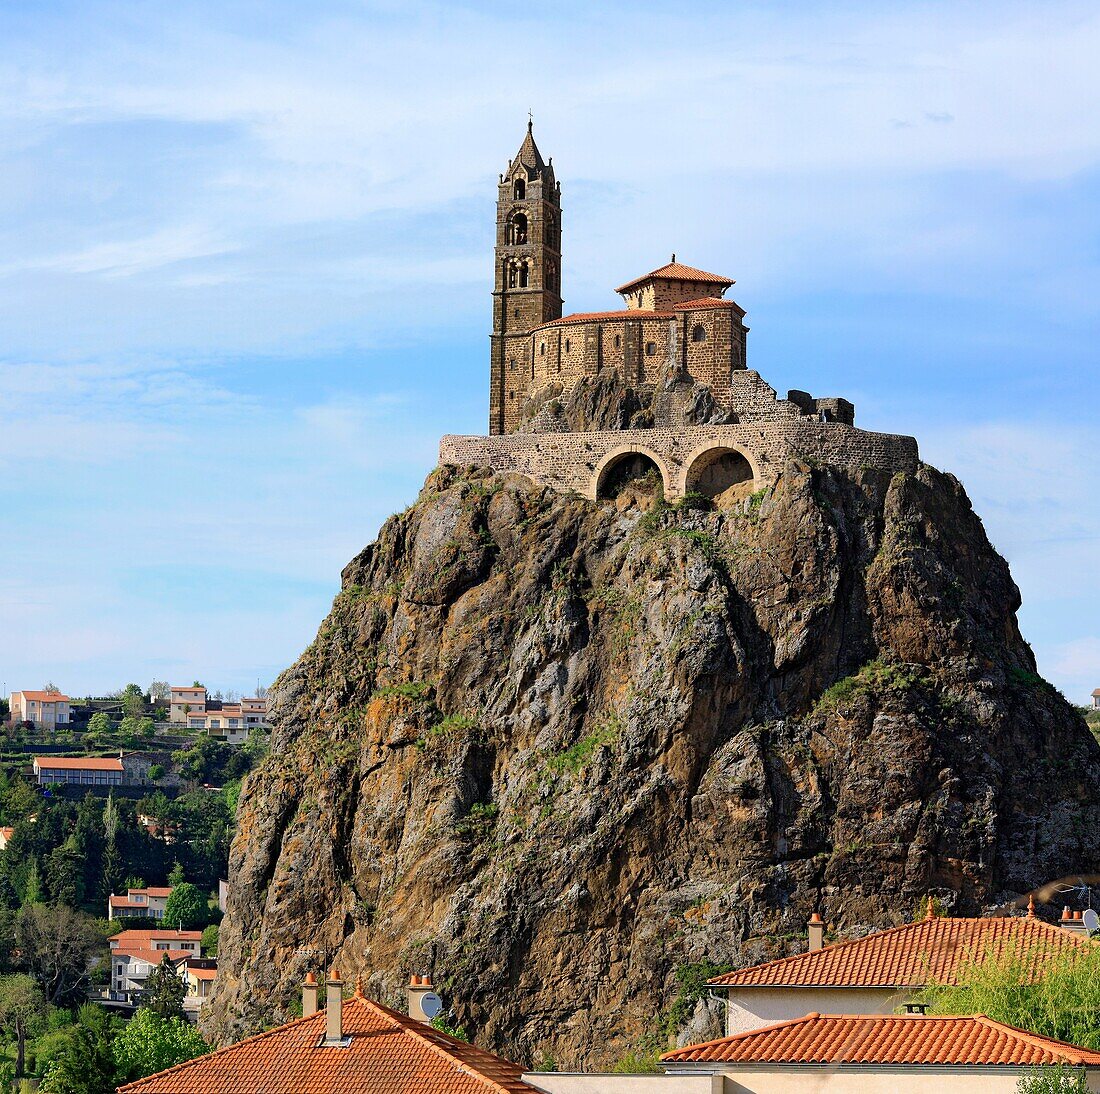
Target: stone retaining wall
(577,461)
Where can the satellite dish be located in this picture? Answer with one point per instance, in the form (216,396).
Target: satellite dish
(1091,920)
(431,1005)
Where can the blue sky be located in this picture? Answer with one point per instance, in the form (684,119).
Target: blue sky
(245,254)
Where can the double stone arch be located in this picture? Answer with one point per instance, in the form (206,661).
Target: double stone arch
(710,469)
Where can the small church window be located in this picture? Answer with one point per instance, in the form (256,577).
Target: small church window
(542,349)
(618,342)
(518,228)
(512,364)
(519,190)
(513,276)
(568,345)
(650,348)
(698,333)
(523,276)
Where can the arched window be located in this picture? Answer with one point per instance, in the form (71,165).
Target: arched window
(698,333)
(650,348)
(513,275)
(618,342)
(523,276)
(519,189)
(542,349)
(512,364)
(568,345)
(551,276)
(517,228)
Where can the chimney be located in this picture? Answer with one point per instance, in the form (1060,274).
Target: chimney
(1072,921)
(334,1009)
(419,986)
(309,995)
(816,928)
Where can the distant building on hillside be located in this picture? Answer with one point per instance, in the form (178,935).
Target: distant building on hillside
(47,709)
(6,834)
(229,722)
(1096,699)
(82,770)
(144,902)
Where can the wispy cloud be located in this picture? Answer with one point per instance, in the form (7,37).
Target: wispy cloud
(245,263)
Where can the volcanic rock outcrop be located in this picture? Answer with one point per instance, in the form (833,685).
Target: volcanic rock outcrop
(566,756)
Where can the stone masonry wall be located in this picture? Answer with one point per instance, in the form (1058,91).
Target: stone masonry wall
(577,461)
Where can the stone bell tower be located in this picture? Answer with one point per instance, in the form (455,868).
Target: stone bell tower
(527,277)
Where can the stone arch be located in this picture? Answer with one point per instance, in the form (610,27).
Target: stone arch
(604,474)
(715,467)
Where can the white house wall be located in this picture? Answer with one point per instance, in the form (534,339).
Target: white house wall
(751,1008)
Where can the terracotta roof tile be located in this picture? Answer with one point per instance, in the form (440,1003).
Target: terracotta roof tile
(147,938)
(889,1040)
(908,956)
(45,696)
(677,271)
(78,763)
(705,302)
(389,1053)
(622,313)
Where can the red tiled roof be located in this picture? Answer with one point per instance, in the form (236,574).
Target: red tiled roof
(153,957)
(887,1039)
(623,313)
(155,891)
(389,1053)
(138,938)
(78,763)
(203,974)
(703,303)
(677,271)
(1096,692)
(45,696)
(908,956)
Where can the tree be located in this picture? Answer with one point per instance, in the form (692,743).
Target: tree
(86,1065)
(21,1002)
(186,908)
(1061,1003)
(65,873)
(150,1044)
(133,701)
(210,941)
(57,945)
(176,876)
(111,857)
(164,990)
(99,724)
(133,726)
(1053,1080)
(160,692)
(51,688)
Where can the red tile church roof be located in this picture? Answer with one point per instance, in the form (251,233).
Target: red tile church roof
(677,271)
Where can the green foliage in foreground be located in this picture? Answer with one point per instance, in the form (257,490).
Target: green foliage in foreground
(1063,1004)
(97,1053)
(1053,1080)
(150,1044)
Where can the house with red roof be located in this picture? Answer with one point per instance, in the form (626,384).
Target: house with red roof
(81,770)
(148,902)
(877,974)
(47,709)
(878,1054)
